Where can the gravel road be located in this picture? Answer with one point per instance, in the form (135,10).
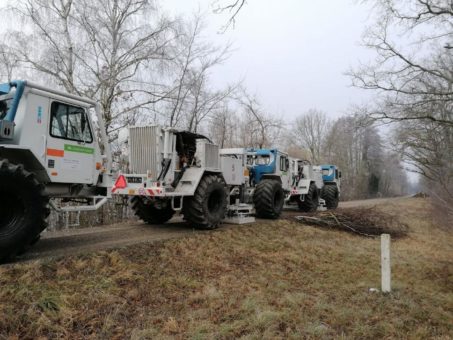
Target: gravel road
(80,241)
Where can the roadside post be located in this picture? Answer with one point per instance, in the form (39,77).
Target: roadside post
(385,264)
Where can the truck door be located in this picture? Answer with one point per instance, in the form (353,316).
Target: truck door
(70,145)
(285,172)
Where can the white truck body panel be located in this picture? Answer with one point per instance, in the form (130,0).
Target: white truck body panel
(145,149)
(317,176)
(305,175)
(283,170)
(208,155)
(142,185)
(189,181)
(234,166)
(302,187)
(149,146)
(233,170)
(65,160)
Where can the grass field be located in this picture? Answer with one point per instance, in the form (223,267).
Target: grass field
(271,281)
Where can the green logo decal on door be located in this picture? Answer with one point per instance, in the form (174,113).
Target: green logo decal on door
(79,149)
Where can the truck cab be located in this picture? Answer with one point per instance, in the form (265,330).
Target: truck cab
(52,135)
(331,174)
(331,189)
(270,164)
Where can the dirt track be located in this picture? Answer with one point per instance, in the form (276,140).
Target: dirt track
(79,241)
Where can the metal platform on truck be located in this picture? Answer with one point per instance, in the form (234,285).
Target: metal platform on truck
(241,213)
(321,206)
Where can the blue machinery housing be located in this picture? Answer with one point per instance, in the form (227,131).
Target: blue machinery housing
(259,170)
(5,89)
(331,175)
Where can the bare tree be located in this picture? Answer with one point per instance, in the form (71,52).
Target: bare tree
(47,46)
(191,100)
(233,7)
(8,62)
(96,48)
(413,71)
(205,102)
(428,150)
(412,77)
(124,46)
(392,176)
(358,150)
(309,132)
(258,128)
(344,147)
(223,127)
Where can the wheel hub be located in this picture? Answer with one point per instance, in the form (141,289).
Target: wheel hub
(214,201)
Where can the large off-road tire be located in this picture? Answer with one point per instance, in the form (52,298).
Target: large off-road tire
(148,212)
(207,207)
(268,199)
(331,195)
(311,200)
(23,210)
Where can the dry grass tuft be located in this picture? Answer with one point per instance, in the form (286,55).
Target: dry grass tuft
(170,326)
(274,280)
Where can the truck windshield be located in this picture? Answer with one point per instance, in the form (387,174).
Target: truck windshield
(327,172)
(263,159)
(5,104)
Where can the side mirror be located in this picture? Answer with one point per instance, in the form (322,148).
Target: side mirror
(5,88)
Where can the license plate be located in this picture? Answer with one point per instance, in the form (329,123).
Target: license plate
(134,179)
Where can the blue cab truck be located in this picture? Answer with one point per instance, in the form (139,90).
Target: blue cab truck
(270,180)
(330,192)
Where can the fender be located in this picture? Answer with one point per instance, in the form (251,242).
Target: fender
(303,186)
(273,177)
(189,182)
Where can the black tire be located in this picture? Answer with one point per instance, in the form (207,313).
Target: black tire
(24,208)
(268,199)
(331,195)
(311,200)
(207,207)
(148,212)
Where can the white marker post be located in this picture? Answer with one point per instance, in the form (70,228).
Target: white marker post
(385,263)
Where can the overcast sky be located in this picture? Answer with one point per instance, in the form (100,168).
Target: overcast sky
(292,53)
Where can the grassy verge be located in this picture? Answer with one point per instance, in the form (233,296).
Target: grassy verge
(277,280)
